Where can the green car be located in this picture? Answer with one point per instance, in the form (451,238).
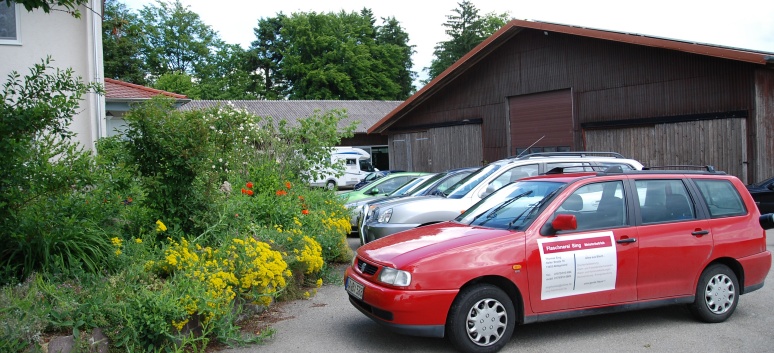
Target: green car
(381,186)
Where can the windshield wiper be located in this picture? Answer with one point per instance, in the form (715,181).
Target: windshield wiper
(493,213)
(534,207)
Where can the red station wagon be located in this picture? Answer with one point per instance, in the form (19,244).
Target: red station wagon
(567,245)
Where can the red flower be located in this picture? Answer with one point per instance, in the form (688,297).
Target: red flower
(281,192)
(304,211)
(287,184)
(244,191)
(249,185)
(250,192)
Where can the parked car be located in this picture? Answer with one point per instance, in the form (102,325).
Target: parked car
(381,186)
(373,176)
(567,245)
(389,218)
(431,184)
(763,194)
(410,186)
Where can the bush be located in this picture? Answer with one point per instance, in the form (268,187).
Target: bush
(161,236)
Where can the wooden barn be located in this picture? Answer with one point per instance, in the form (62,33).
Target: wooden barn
(544,87)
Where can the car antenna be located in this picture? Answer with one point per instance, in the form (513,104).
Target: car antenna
(530,146)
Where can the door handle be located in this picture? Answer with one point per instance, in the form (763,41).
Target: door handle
(699,233)
(626,240)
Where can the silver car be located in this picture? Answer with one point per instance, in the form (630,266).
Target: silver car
(405,189)
(434,186)
(392,217)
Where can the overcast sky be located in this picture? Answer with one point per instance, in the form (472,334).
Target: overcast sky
(745,24)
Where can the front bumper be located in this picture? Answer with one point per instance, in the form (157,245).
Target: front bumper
(410,312)
(372,230)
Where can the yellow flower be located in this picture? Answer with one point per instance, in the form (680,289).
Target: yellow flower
(138,240)
(160,227)
(118,252)
(116,241)
(306,295)
(319,283)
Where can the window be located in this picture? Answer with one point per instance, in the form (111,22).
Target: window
(570,167)
(597,205)
(664,201)
(9,23)
(514,174)
(722,198)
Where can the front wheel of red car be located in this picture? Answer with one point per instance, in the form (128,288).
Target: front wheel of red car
(716,294)
(481,319)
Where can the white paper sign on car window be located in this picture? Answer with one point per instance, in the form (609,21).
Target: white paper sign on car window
(577,264)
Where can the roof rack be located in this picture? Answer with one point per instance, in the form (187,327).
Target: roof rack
(707,168)
(569,154)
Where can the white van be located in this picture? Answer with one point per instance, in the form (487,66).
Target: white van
(356,166)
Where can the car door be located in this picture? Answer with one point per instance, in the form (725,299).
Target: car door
(595,264)
(674,241)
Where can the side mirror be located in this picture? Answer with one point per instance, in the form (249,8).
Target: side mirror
(767,221)
(489,189)
(565,222)
(373,191)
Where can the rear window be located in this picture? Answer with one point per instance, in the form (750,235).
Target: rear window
(722,198)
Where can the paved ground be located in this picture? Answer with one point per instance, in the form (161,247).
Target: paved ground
(329,323)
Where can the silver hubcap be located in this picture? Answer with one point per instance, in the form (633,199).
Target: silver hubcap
(486,322)
(719,294)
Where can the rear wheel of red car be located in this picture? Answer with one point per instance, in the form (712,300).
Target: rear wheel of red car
(716,294)
(481,319)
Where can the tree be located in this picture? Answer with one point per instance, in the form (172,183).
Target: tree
(266,56)
(393,40)
(227,74)
(333,56)
(71,6)
(122,44)
(176,40)
(467,29)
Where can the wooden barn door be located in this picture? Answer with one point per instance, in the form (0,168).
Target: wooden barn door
(721,143)
(410,151)
(456,147)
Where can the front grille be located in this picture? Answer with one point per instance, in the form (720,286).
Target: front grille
(382,314)
(366,268)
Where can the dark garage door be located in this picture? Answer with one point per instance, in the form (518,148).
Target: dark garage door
(537,115)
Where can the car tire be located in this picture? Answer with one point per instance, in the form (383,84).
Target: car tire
(717,294)
(481,319)
(330,185)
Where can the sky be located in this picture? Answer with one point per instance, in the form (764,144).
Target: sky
(747,24)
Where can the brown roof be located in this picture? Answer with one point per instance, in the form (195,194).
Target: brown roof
(514,27)
(366,112)
(115,89)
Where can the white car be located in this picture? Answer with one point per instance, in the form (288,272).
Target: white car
(389,218)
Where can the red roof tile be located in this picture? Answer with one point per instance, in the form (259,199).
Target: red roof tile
(124,90)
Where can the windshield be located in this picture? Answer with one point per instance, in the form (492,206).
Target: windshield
(464,186)
(408,187)
(514,206)
(426,183)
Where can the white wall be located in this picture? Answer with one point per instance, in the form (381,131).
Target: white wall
(72,43)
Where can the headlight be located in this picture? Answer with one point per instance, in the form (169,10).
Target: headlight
(395,277)
(385,216)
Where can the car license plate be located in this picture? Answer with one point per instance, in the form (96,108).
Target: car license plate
(354,288)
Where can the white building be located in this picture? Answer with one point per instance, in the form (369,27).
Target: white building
(28,37)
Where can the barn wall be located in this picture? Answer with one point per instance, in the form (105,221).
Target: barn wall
(609,81)
(721,143)
(762,126)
